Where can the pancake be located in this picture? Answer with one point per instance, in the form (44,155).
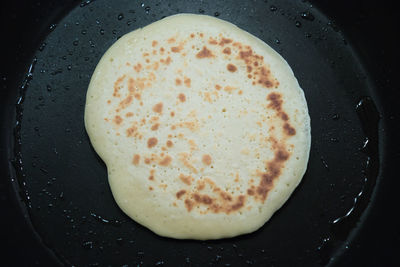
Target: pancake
(203,127)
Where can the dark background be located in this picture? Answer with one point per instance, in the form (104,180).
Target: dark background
(372,28)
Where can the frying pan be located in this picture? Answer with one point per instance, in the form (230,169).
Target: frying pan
(57,203)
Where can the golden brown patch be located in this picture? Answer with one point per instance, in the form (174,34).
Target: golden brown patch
(185,159)
(138,67)
(180,193)
(108,101)
(131,131)
(206,159)
(154,43)
(136,159)
(204,53)
(212,41)
(126,102)
(165,161)
(117,85)
(276,101)
(192,35)
(189,204)
(178,81)
(218,87)
(158,107)
(151,178)
(289,130)
(176,49)
(231,67)
(151,188)
(187,179)
(171,40)
(182,97)
(155,126)
(187,81)
(117,120)
(169,143)
(151,142)
(225,41)
(256,66)
(227,50)
(129,114)
(147,161)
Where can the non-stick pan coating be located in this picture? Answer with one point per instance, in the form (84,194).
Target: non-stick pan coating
(64,183)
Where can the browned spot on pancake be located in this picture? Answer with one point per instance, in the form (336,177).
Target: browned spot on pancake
(178,81)
(147,161)
(274,167)
(225,41)
(176,49)
(187,179)
(180,193)
(250,192)
(162,49)
(189,204)
(151,188)
(165,161)
(155,126)
(227,50)
(225,196)
(108,101)
(151,177)
(240,92)
(182,97)
(201,34)
(218,87)
(129,114)
(158,107)
(154,43)
(185,159)
(171,40)
(151,142)
(131,131)
(187,81)
(231,67)
(281,155)
(136,159)
(204,53)
(138,67)
(256,66)
(204,199)
(289,130)
(229,89)
(172,114)
(169,143)
(284,116)
(276,101)
(117,85)
(212,41)
(117,120)
(126,102)
(192,35)
(206,159)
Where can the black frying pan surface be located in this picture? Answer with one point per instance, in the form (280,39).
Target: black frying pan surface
(64,183)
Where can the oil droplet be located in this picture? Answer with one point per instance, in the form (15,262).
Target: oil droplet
(273,8)
(216,14)
(201,11)
(102,31)
(120,16)
(298,24)
(307,15)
